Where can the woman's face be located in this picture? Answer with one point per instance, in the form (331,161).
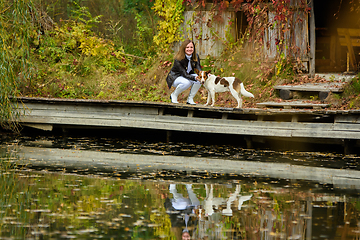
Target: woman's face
(189,49)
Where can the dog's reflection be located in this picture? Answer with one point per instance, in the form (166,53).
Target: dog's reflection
(211,203)
(192,219)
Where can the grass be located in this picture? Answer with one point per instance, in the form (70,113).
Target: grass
(72,61)
(146,82)
(104,71)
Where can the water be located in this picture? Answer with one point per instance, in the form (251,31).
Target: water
(102,188)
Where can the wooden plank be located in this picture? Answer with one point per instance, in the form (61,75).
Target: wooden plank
(91,113)
(241,127)
(347,119)
(354,42)
(293,104)
(170,106)
(353,32)
(95,109)
(347,127)
(69,118)
(173,108)
(45,127)
(314,87)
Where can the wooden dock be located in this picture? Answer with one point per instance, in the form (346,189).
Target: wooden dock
(254,125)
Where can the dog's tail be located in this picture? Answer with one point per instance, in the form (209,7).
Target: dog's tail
(244,92)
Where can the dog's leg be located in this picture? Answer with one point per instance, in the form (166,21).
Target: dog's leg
(240,101)
(208,98)
(212,93)
(237,96)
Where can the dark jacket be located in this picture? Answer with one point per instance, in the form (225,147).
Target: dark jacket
(179,69)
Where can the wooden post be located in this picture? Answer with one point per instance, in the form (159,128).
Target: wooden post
(312,39)
(249,143)
(168,136)
(295,118)
(351,54)
(190,113)
(348,146)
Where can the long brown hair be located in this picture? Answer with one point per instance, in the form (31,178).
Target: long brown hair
(180,55)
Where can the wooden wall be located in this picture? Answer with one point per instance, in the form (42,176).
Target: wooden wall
(295,33)
(208,35)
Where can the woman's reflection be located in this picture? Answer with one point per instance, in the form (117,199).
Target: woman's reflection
(181,211)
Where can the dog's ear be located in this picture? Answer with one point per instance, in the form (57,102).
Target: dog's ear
(207,72)
(196,71)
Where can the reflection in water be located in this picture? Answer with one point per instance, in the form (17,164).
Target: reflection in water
(167,204)
(194,220)
(180,208)
(60,205)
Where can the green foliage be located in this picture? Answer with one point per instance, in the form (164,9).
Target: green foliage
(82,15)
(72,50)
(144,34)
(117,23)
(70,57)
(16,30)
(356,83)
(137,6)
(208,63)
(352,93)
(230,40)
(213,65)
(75,41)
(171,15)
(284,66)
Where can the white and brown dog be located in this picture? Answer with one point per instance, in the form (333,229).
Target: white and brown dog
(214,84)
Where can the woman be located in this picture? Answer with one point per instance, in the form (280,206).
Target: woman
(182,74)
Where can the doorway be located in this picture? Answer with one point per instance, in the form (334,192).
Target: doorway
(337,43)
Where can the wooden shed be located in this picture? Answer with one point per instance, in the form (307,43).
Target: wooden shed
(327,37)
